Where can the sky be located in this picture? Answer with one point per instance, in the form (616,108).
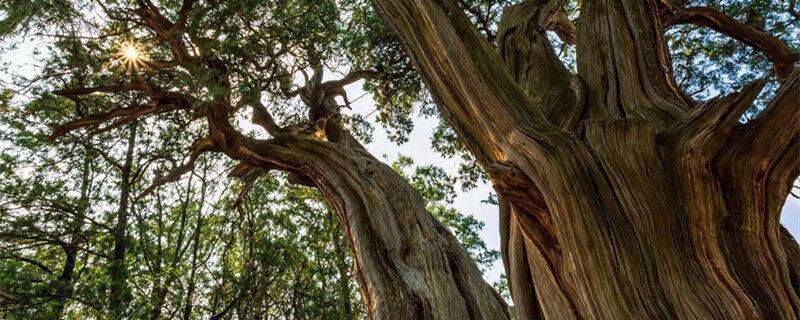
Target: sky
(418,147)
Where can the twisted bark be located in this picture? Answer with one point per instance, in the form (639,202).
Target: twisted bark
(629,213)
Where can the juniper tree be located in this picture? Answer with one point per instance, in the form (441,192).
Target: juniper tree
(621,195)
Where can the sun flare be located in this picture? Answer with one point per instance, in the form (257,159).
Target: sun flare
(130,52)
(131,55)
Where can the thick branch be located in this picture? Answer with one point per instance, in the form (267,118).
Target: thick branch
(623,58)
(563,27)
(706,128)
(263,118)
(166,30)
(769,134)
(465,75)
(526,50)
(119,115)
(776,50)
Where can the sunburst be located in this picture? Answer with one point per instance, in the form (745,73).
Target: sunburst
(132,55)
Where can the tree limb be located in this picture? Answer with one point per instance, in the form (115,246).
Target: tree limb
(465,75)
(200,146)
(161,102)
(776,50)
(263,118)
(563,27)
(529,56)
(769,133)
(74,92)
(28,260)
(707,127)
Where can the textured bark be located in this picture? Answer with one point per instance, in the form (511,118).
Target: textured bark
(647,207)
(408,265)
(620,197)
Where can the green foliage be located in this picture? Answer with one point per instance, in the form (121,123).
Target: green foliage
(708,64)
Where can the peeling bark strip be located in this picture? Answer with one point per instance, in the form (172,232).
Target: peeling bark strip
(644,208)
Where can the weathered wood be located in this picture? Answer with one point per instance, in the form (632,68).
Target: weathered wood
(636,207)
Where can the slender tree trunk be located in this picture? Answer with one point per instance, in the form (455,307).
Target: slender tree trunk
(343,283)
(118,297)
(621,198)
(189,301)
(66,285)
(158,293)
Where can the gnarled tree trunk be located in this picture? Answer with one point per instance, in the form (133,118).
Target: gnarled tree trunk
(408,265)
(621,198)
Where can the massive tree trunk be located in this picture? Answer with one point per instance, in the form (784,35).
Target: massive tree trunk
(621,198)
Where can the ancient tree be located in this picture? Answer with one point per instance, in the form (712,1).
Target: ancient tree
(621,197)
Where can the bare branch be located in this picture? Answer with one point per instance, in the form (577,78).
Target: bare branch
(711,123)
(75,92)
(350,78)
(563,27)
(774,127)
(776,50)
(183,13)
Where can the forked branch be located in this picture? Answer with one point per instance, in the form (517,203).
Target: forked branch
(200,147)
(776,50)
(707,127)
(770,133)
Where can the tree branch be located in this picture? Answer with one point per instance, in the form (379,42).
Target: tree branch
(625,63)
(74,92)
(263,118)
(563,27)
(30,261)
(707,127)
(776,50)
(160,103)
(529,56)
(777,124)
(200,146)
(465,75)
